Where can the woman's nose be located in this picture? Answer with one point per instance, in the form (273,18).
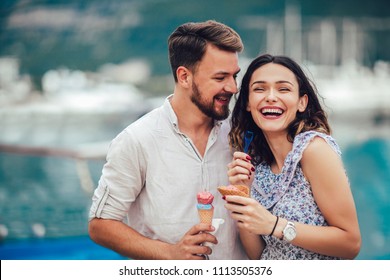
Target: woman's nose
(271,96)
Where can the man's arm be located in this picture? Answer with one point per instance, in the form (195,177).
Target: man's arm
(126,241)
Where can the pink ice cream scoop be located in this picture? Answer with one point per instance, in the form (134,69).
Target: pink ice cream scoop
(205,197)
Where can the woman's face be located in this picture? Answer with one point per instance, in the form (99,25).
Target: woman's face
(274,98)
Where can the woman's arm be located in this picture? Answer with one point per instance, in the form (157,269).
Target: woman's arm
(324,170)
(253,221)
(252,243)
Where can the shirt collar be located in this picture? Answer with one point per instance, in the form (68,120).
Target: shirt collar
(173,118)
(171,114)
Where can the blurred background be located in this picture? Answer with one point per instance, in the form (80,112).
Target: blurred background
(75,73)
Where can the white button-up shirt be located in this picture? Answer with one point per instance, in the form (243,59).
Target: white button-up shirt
(153,174)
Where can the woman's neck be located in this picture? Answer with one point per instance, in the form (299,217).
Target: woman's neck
(280,147)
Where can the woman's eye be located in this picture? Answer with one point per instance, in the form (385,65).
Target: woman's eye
(258,89)
(284,89)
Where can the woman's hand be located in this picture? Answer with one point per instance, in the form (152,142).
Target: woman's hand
(250,215)
(241,170)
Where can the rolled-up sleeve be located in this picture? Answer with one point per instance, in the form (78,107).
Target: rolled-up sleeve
(121,181)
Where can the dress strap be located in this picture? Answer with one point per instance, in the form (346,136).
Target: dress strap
(269,188)
(301,141)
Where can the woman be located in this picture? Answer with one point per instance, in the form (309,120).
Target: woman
(301,206)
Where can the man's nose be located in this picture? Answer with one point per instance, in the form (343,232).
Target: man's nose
(231,86)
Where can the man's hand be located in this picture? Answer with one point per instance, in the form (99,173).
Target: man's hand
(190,246)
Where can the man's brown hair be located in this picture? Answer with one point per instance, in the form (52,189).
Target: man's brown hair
(187,44)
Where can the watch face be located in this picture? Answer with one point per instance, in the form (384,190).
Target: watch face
(289,232)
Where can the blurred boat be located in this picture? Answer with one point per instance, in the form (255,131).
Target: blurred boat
(355,97)
(354,88)
(74,107)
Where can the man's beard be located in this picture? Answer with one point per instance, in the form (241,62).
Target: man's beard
(207,107)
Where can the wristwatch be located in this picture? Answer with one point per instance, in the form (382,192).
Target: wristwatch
(289,232)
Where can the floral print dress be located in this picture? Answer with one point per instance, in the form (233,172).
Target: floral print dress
(289,195)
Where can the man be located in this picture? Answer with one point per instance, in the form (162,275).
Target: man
(157,165)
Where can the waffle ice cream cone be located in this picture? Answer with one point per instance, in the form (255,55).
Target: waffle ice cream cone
(240,190)
(206,215)
(205,207)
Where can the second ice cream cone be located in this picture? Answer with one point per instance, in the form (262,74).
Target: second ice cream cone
(240,190)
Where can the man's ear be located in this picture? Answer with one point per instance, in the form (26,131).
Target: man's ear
(184,76)
(303,100)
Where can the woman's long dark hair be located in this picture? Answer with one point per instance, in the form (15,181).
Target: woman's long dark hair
(313,118)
